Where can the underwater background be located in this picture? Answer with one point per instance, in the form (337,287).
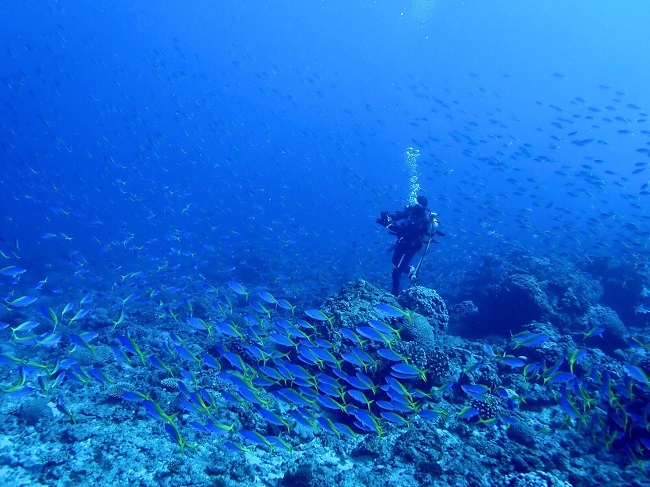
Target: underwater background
(194,288)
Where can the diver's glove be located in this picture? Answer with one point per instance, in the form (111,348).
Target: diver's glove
(413,274)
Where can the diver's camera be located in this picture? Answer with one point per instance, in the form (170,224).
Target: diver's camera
(384,220)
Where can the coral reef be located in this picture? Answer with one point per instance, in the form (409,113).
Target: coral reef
(427,303)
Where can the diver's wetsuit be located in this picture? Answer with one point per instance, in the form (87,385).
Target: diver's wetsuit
(410,227)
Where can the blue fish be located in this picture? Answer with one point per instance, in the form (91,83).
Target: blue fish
(267,297)
(271,373)
(345,430)
(238,288)
(390,355)
(228,328)
(596,331)
(282,340)
(17,391)
(383,328)
(186,354)
(156,412)
(100,376)
(308,356)
(254,437)
(210,362)
(567,406)
(302,419)
(352,359)
(392,311)
(176,437)
(326,356)
(372,334)
(529,339)
(359,396)
(330,390)
(237,447)
(385,405)
(24,327)
(431,415)
(367,420)
(293,397)
(559,377)
(217,429)
(273,418)
(22,301)
(132,347)
(468,412)
(155,361)
(47,340)
(200,324)
(79,315)
(13,271)
(77,340)
(284,304)
(408,371)
(512,361)
(259,307)
(329,403)
(637,374)
(317,315)
(322,343)
(284,323)
(133,396)
(395,418)
(475,391)
(326,425)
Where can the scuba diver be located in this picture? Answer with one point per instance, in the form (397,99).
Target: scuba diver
(414,226)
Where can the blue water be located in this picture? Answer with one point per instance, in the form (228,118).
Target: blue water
(153,147)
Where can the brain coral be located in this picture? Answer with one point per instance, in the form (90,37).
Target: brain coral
(428,303)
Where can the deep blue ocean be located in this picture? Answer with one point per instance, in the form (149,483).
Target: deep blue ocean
(187,187)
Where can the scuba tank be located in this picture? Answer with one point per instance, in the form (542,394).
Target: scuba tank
(432,228)
(427,238)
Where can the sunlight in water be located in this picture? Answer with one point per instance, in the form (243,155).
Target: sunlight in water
(422,10)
